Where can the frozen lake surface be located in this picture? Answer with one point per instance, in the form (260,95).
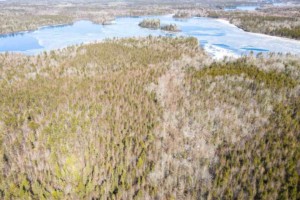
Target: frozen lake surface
(217,37)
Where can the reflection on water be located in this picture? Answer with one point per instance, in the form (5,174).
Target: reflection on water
(18,42)
(215,36)
(12,34)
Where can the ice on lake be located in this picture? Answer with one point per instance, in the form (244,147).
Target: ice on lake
(217,37)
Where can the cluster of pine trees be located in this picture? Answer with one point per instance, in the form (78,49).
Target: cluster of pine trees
(151,118)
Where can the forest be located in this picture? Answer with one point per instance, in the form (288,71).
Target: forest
(149,118)
(281,21)
(271,25)
(25,15)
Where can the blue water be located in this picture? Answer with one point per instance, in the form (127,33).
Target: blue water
(254,7)
(244,8)
(255,49)
(19,42)
(217,37)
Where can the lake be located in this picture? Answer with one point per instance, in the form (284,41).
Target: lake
(242,8)
(254,7)
(217,37)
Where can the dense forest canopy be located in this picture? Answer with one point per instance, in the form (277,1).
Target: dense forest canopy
(152,117)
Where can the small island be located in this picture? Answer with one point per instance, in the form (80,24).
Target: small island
(155,24)
(181,15)
(107,22)
(150,23)
(170,27)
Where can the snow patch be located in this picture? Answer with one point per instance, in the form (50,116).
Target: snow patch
(219,53)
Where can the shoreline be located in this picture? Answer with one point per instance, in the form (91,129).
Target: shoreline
(221,20)
(214,51)
(225,21)
(33,30)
